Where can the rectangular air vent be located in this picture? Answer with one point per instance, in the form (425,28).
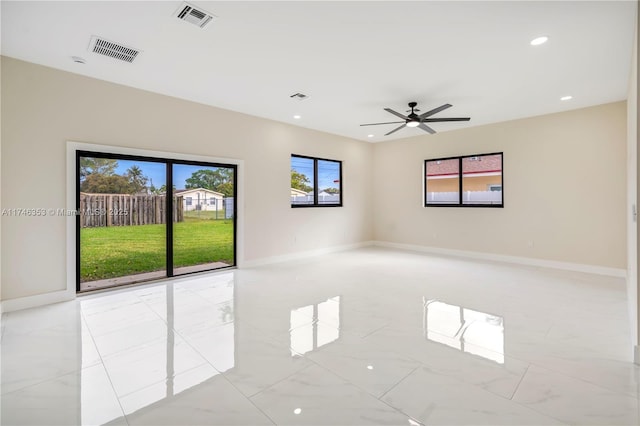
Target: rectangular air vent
(194,15)
(113,50)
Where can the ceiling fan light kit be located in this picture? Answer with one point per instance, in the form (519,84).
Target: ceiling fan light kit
(415,120)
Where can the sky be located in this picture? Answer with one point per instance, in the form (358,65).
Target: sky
(156,171)
(328,171)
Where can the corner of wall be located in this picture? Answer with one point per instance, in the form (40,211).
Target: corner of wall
(636,336)
(633,238)
(1,310)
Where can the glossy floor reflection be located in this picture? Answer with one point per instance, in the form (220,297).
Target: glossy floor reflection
(369,336)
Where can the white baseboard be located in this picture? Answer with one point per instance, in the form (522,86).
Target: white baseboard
(19,303)
(528,261)
(66,295)
(302,255)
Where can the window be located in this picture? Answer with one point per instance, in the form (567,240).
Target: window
(189,201)
(314,326)
(464,329)
(315,182)
(466,181)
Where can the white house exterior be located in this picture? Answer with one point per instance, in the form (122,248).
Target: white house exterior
(298,193)
(201,199)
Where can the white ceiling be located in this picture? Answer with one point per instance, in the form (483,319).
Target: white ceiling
(352,58)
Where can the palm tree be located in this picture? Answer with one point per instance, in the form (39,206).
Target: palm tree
(137,179)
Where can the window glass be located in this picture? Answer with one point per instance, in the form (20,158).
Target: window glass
(302,180)
(482,179)
(466,181)
(328,182)
(315,182)
(443,181)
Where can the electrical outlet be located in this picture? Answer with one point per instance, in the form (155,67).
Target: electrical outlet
(530,243)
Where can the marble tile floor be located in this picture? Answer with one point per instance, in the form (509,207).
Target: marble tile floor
(364,337)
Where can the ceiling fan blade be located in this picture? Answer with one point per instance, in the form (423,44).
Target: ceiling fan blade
(397,114)
(435,120)
(426,128)
(435,111)
(396,129)
(376,124)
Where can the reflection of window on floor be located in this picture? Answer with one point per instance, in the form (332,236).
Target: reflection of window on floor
(314,326)
(464,329)
(210,332)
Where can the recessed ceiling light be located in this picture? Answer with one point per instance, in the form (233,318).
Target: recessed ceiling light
(78,60)
(297,117)
(369,367)
(566,98)
(370,136)
(297,411)
(539,40)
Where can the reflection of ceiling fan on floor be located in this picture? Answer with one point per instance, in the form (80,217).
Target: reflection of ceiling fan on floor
(415,120)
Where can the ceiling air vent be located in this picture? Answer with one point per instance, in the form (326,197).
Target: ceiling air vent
(113,50)
(299,96)
(193,15)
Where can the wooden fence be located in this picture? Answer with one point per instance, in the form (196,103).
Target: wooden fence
(126,210)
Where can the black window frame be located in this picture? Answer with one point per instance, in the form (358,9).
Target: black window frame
(169,246)
(460,182)
(315,182)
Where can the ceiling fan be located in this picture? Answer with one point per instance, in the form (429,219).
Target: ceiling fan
(415,120)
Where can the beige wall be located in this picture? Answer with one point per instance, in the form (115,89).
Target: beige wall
(549,213)
(43,108)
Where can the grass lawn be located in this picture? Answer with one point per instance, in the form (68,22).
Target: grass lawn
(116,251)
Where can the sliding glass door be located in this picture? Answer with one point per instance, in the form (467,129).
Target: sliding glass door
(204,225)
(130,228)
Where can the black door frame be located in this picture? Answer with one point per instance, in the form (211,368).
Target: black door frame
(169,163)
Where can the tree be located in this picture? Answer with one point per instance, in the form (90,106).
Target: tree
(137,179)
(162,189)
(97,176)
(225,188)
(103,166)
(219,180)
(152,188)
(331,190)
(97,183)
(300,181)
